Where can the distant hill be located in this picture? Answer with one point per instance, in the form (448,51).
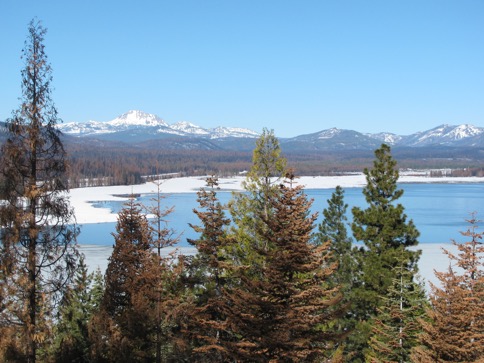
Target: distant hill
(135,145)
(137,126)
(148,130)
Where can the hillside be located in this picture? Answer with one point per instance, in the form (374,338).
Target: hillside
(137,144)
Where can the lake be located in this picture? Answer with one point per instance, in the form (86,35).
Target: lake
(439,211)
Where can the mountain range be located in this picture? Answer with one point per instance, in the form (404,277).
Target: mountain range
(144,129)
(149,126)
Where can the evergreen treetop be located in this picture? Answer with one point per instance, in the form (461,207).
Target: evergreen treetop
(132,244)
(260,187)
(81,300)
(333,228)
(209,273)
(383,223)
(387,236)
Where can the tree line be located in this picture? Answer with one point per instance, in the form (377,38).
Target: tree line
(113,165)
(91,164)
(266,283)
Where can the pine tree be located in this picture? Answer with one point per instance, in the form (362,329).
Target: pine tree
(95,328)
(208,275)
(210,244)
(164,298)
(163,236)
(38,254)
(267,171)
(454,331)
(126,307)
(332,229)
(97,290)
(72,342)
(128,259)
(261,184)
(284,314)
(387,236)
(395,329)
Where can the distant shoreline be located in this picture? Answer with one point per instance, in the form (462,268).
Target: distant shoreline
(82,199)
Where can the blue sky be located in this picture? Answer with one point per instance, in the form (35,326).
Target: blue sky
(296,66)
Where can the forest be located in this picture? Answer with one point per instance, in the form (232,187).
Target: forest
(100,164)
(266,284)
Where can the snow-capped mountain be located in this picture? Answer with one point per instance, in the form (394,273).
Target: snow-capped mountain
(333,138)
(449,135)
(148,126)
(137,118)
(138,127)
(220,132)
(329,134)
(386,137)
(337,139)
(129,120)
(185,127)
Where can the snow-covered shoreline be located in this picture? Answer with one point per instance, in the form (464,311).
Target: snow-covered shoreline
(82,199)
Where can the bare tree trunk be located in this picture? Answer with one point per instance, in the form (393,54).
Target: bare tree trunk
(32,346)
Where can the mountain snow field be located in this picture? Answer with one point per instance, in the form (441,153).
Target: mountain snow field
(135,120)
(148,126)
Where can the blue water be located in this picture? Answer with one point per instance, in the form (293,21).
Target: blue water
(438,210)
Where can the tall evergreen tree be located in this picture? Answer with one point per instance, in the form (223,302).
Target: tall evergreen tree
(268,169)
(212,239)
(71,340)
(126,306)
(165,300)
(208,275)
(454,331)
(128,259)
(162,235)
(96,346)
(333,225)
(142,302)
(97,290)
(261,184)
(387,236)
(333,229)
(37,223)
(395,329)
(283,315)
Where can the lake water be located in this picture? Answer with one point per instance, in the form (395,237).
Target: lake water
(438,210)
